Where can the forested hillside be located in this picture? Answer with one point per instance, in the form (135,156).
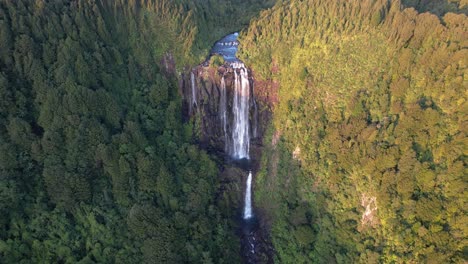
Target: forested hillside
(366,157)
(215,18)
(438,7)
(364,160)
(95,162)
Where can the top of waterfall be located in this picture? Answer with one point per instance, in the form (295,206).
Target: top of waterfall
(227,47)
(237,65)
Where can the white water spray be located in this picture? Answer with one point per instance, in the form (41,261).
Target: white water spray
(240,132)
(194,94)
(248,198)
(236,124)
(240,108)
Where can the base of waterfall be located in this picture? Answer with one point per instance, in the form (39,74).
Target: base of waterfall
(255,246)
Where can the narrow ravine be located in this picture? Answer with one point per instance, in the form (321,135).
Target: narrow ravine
(238,140)
(221,100)
(243,126)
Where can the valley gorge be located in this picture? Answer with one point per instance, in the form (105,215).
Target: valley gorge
(234,131)
(223,106)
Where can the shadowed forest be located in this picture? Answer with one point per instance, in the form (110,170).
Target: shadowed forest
(95,162)
(364,159)
(372,102)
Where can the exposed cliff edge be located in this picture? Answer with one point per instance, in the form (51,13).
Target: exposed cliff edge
(208,96)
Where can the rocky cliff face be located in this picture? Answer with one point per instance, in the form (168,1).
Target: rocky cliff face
(208,96)
(230,115)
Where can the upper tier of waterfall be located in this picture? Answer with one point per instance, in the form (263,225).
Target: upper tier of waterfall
(193,102)
(240,109)
(237,140)
(224,100)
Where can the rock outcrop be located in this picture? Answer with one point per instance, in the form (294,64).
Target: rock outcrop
(230,115)
(208,95)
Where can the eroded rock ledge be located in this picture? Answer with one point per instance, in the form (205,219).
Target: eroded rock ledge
(203,106)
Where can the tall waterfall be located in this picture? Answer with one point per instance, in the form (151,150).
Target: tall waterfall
(238,120)
(240,127)
(236,127)
(240,108)
(248,198)
(194,95)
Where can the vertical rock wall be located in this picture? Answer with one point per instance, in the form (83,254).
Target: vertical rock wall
(204,102)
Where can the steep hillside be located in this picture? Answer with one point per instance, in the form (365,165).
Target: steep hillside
(366,156)
(438,7)
(364,160)
(96,164)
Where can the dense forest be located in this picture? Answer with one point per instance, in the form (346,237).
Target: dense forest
(365,160)
(96,165)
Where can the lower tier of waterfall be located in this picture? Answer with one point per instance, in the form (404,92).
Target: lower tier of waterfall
(248,198)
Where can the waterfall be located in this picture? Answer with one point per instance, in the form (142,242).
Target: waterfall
(194,95)
(248,198)
(223,111)
(238,117)
(240,131)
(240,108)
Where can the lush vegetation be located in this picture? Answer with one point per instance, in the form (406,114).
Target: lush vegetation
(96,164)
(366,158)
(215,18)
(439,8)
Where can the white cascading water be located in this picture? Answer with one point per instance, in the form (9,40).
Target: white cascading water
(248,198)
(194,95)
(240,108)
(237,129)
(240,131)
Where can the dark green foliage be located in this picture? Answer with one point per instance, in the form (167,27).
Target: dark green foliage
(215,18)
(372,102)
(438,7)
(96,165)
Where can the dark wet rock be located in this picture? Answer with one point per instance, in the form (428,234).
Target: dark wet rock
(203,103)
(205,113)
(255,246)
